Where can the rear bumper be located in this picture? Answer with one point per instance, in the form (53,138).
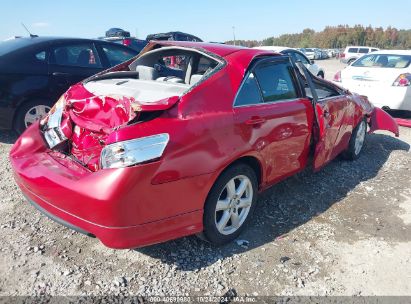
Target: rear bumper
(395,98)
(122,237)
(56,219)
(121,207)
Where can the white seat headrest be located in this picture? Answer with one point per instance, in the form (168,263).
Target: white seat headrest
(195,78)
(146,73)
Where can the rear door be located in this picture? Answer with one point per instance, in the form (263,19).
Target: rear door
(273,117)
(72,62)
(334,116)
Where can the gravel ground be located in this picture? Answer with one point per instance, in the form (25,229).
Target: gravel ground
(331,67)
(345,230)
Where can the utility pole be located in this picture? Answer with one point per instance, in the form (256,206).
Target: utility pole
(234,35)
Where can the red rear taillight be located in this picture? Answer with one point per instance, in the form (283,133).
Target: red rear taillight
(404,80)
(126,42)
(337,77)
(342,55)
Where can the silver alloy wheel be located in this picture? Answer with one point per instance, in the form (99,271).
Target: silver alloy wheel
(234,204)
(359,139)
(35,113)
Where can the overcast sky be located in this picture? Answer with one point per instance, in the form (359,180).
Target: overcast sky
(211,20)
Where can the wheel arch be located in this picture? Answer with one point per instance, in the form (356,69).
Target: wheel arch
(254,164)
(250,160)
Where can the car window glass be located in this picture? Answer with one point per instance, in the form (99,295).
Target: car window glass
(301,58)
(275,81)
(249,92)
(321,90)
(205,65)
(291,54)
(41,56)
(353,50)
(383,61)
(175,62)
(81,55)
(363,51)
(37,58)
(117,55)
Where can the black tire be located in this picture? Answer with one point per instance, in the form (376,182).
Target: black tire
(211,233)
(19,119)
(353,153)
(321,75)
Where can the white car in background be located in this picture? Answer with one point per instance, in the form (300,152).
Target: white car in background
(383,76)
(352,53)
(331,53)
(310,53)
(297,56)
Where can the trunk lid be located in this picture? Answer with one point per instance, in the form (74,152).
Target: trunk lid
(362,79)
(106,107)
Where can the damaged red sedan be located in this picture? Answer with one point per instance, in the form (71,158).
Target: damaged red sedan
(181,139)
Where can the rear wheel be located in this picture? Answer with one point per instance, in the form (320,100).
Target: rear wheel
(29,113)
(356,141)
(230,204)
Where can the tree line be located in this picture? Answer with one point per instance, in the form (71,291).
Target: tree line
(339,37)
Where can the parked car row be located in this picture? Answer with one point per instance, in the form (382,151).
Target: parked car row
(318,54)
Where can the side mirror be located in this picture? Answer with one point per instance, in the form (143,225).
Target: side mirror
(312,61)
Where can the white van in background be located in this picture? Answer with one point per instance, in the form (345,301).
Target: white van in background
(352,53)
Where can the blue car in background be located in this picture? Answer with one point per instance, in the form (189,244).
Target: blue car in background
(36,71)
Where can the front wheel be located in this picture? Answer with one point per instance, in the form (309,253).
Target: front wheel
(230,204)
(356,141)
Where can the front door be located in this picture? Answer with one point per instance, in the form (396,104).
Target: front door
(273,118)
(333,113)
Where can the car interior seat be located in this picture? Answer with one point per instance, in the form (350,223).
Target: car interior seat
(83,58)
(402,64)
(146,72)
(382,61)
(195,78)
